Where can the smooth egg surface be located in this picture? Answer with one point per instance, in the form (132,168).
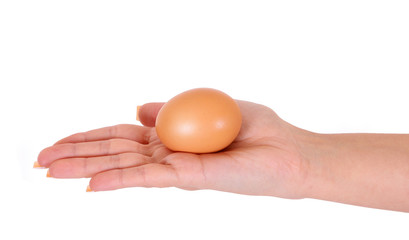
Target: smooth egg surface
(200,120)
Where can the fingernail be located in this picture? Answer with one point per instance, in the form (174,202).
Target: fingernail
(137,112)
(89,189)
(48,173)
(37,165)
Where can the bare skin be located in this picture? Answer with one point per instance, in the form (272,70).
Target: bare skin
(270,157)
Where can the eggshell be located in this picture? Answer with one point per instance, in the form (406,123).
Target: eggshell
(200,120)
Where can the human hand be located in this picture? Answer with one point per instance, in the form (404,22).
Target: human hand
(264,159)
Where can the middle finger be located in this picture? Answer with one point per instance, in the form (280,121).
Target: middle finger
(90,149)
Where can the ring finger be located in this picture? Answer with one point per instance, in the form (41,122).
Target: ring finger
(89,166)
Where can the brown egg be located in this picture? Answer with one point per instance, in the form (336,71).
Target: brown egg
(200,120)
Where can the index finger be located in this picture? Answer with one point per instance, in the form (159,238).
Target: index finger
(125,131)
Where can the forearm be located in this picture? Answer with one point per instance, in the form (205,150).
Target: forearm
(369,170)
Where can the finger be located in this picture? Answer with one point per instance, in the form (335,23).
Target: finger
(90,149)
(125,131)
(148,175)
(87,167)
(147,113)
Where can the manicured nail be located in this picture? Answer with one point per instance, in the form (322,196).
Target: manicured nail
(37,165)
(89,189)
(137,112)
(48,173)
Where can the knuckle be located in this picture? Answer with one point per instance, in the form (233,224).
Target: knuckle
(120,176)
(74,149)
(141,175)
(82,136)
(113,131)
(115,161)
(105,147)
(85,166)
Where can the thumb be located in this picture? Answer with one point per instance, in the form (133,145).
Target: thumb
(147,113)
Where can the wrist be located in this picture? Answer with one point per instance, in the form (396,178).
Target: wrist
(315,150)
(360,169)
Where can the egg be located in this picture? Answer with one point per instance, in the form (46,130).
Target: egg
(201,120)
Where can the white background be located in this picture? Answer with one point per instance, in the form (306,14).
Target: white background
(70,66)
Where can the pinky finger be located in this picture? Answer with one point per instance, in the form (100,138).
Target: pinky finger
(148,175)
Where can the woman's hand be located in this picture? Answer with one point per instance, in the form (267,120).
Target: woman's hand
(268,157)
(264,159)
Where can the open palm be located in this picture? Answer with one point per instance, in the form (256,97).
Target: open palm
(264,159)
